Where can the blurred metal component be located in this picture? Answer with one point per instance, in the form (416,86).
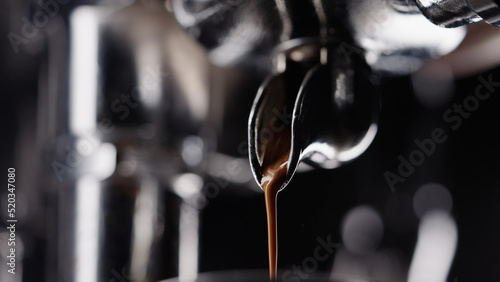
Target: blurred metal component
(432,197)
(235,170)
(189,187)
(362,230)
(362,256)
(396,36)
(133,98)
(232,30)
(382,265)
(89,162)
(396,42)
(145,224)
(285,19)
(84,68)
(453,13)
(477,53)
(435,249)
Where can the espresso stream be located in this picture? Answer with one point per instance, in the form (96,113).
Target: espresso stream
(274,167)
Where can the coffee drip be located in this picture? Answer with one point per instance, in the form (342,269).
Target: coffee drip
(275,168)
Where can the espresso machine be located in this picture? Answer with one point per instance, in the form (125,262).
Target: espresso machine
(135,130)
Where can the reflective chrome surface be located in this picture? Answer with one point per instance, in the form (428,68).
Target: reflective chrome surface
(231,30)
(453,13)
(332,108)
(395,42)
(336,112)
